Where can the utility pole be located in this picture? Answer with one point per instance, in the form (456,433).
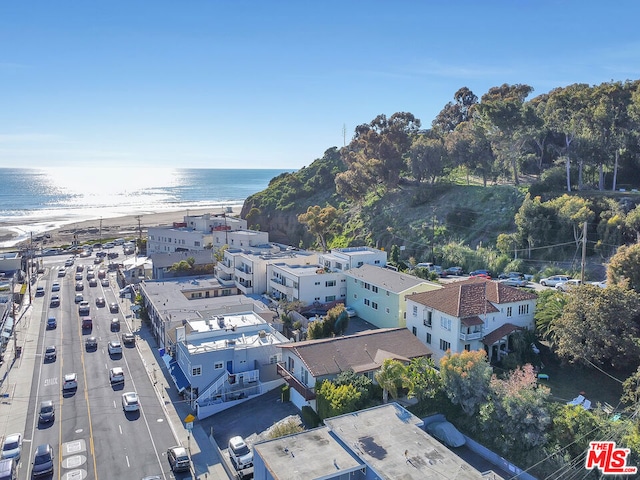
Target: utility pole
(584,251)
(30,265)
(344,135)
(139,218)
(100,229)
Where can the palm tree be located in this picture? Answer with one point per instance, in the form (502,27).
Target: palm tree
(389,377)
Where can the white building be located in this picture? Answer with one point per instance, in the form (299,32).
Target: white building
(471,314)
(309,283)
(197,233)
(246,268)
(352,257)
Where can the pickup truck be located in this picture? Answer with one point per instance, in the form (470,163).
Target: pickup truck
(241,456)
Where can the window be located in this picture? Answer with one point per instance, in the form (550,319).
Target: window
(374,305)
(330,283)
(367,302)
(317,283)
(509,311)
(329,298)
(444,345)
(374,289)
(415,311)
(428,319)
(414,330)
(367,286)
(217,366)
(445,323)
(467,347)
(428,339)
(523,309)
(387,311)
(196,371)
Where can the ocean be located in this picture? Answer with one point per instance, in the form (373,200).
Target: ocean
(40,199)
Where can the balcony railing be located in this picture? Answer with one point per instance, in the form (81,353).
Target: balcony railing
(294,383)
(470,336)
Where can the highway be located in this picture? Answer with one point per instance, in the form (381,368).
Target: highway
(92,436)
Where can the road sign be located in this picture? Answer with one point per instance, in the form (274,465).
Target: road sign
(189,418)
(189,426)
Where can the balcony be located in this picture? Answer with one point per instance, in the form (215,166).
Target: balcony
(294,383)
(465,337)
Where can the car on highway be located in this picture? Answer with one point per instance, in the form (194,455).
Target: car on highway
(90,274)
(79,268)
(78,298)
(91,343)
(12,446)
(116,375)
(50,353)
(553,280)
(43,461)
(62,272)
(78,276)
(47,412)
(93,282)
(84,308)
(109,245)
(97,260)
(128,338)
(178,459)
(87,323)
(55,287)
(70,382)
(130,402)
(100,302)
(51,323)
(55,301)
(114,347)
(79,286)
(115,324)
(113,307)
(568,285)
(69,262)
(104,282)
(40,292)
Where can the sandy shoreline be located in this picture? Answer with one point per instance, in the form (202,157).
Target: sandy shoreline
(128,226)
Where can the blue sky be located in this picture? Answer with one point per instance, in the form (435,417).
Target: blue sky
(270,84)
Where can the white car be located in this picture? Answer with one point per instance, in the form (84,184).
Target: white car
(350,311)
(115,347)
(70,382)
(601,284)
(568,285)
(12,446)
(553,280)
(116,375)
(130,402)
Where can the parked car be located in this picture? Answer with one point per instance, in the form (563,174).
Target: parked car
(514,282)
(55,287)
(240,453)
(178,459)
(43,461)
(480,273)
(454,271)
(12,446)
(70,382)
(350,312)
(568,285)
(130,402)
(440,271)
(553,280)
(40,292)
(47,413)
(50,353)
(601,284)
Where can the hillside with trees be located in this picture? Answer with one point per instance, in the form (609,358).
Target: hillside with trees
(494,180)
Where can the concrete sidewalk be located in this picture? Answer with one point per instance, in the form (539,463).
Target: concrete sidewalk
(16,374)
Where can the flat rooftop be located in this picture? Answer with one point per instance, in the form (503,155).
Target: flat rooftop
(311,454)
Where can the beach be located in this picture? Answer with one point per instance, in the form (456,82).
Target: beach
(127,226)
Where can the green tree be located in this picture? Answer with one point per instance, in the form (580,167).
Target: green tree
(321,222)
(465,378)
(337,399)
(516,415)
(422,379)
(426,158)
(361,383)
(624,267)
(389,377)
(631,391)
(599,326)
(453,114)
(632,222)
(549,308)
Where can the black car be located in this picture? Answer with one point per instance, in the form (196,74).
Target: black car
(43,460)
(128,338)
(113,308)
(454,271)
(50,353)
(91,343)
(47,413)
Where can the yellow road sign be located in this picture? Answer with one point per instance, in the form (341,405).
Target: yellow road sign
(189,418)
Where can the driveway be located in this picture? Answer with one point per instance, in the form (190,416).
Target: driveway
(252,416)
